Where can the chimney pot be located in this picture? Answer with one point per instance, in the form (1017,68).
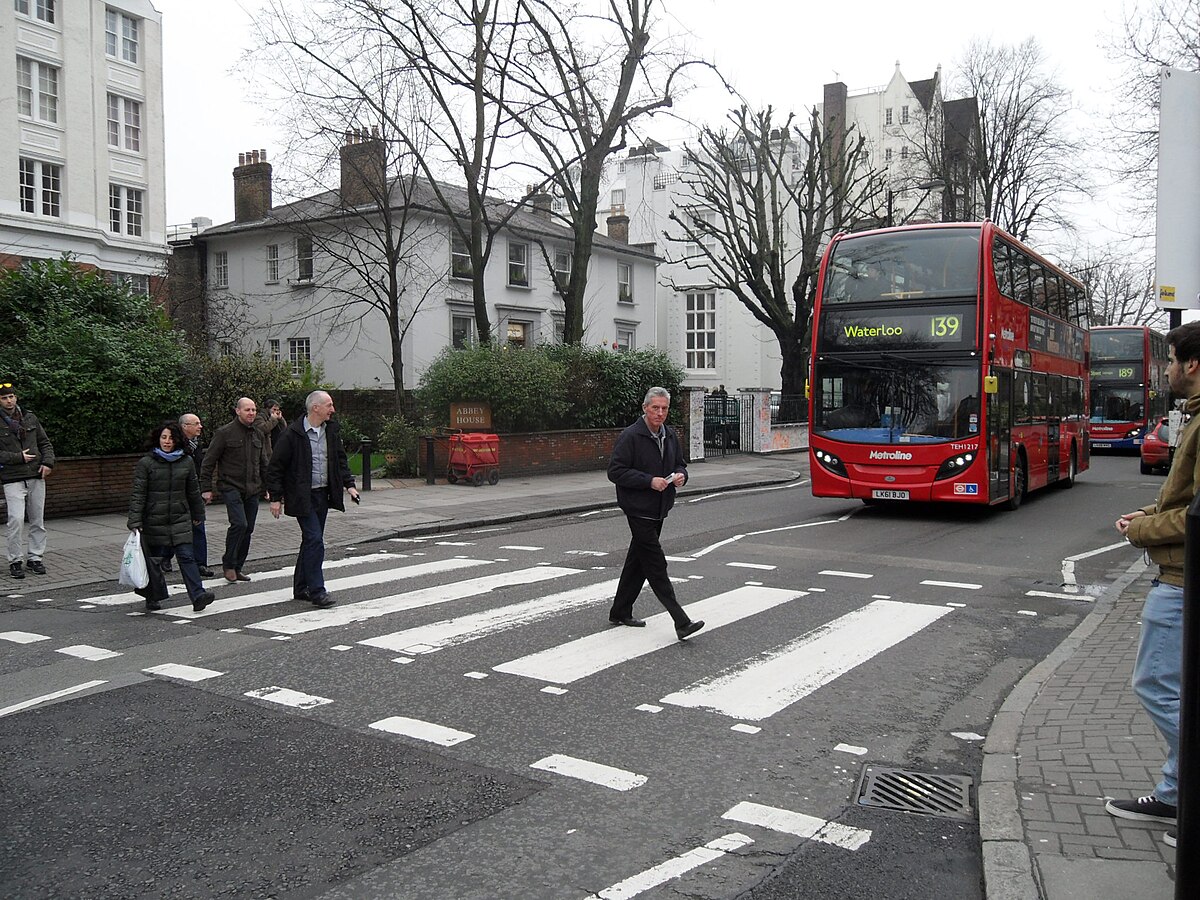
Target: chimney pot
(241,159)
(251,187)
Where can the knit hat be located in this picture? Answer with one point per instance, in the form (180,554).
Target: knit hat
(6,388)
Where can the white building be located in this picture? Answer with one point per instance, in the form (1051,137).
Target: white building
(84,172)
(277,270)
(711,333)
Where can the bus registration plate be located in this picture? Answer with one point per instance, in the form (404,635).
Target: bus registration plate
(1098,446)
(889,495)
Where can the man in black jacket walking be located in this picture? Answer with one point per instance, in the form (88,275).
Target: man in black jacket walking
(238,456)
(647,465)
(306,477)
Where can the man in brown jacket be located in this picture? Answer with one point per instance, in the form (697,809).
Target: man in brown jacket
(1159,529)
(239,453)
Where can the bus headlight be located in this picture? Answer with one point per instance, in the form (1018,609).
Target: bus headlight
(1134,432)
(831,462)
(955,465)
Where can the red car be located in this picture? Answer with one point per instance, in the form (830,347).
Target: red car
(1156,451)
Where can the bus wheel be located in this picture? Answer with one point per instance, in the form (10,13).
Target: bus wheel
(1068,481)
(1019,482)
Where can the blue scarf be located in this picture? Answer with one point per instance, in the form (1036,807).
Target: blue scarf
(173,456)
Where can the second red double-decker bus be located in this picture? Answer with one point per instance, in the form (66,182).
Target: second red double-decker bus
(948,364)
(1129,384)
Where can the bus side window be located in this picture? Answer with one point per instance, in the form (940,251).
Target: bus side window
(1038,287)
(1022,409)
(1003,267)
(1021,286)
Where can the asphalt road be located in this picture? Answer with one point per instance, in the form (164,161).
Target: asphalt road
(465,724)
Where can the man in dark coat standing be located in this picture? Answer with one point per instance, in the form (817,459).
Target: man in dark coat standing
(26,458)
(647,465)
(306,476)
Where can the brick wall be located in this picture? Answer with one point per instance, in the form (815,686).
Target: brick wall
(544,453)
(86,485)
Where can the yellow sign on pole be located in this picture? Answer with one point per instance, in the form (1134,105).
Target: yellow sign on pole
(1166,294)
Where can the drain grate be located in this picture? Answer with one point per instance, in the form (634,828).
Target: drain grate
(947,796)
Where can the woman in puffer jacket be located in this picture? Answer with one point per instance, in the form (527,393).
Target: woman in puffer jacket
(164,505)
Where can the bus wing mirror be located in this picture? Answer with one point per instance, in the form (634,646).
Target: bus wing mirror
(991,384)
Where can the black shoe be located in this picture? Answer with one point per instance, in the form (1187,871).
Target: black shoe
(16,570)
(1142,809)
(688,630)
(302,594)
(202,600)
(36,567)
(153,606)
(322,600)
(165,565)
(206,572)
(628,620)
(1169,838)
(241,576)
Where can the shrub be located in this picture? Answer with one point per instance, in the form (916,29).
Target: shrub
(605,389)
(399,442)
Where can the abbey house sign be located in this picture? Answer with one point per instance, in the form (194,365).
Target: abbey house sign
(471,416)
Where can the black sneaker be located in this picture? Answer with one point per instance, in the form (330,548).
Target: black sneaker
(689,629)
(16,570)
(322,600)
(202,600)
(1169,838)
(36,566)
(153,606)
(1143,809)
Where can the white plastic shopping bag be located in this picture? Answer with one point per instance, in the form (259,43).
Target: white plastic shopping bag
(133,563)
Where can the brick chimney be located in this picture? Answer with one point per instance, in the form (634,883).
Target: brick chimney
(539,202)
(618,228)
(364,167)
(251,187)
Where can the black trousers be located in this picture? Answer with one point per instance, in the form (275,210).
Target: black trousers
(644,562)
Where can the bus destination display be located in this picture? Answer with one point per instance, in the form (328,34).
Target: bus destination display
(939,327)
(1126,371)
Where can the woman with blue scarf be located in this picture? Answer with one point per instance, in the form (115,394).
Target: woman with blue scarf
(165,504)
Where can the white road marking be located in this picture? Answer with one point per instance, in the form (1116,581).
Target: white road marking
(341,648)
(422,731)
(88,652)
(23,637)
(478,676)
(588,552)
(957,605)
(520,547)
(350,613)
(679,559)
(799,824)
(850,748)
(737,537)
(45,698)
(648,707)
(881,596)
(88,606)
(551,689)
(1068,564)
(673,868)
(403,660)
(182,672)
(759,687)
(1087,598)
(966,735)
(566,663)
(965,585)
(288,697)
(463,629)
(456,543)
(839,574)
(593,772)
(746,729)
(775,487)
(744,565)
(1026,612)
(235,602)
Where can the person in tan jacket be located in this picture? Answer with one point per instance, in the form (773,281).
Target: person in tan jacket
(1159,529)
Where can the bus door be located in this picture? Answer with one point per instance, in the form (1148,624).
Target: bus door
(999,434)
(1054,408)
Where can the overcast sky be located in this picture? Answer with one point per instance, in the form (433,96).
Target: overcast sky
(775,51)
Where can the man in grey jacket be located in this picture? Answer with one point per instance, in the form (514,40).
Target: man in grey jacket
(237,461)
(27,456)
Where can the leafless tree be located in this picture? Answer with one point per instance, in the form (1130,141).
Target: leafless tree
(582,82)
(765,198)
(1154,34)
(1028,161)
(1120,284)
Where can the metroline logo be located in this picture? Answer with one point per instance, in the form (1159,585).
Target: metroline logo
(890,454)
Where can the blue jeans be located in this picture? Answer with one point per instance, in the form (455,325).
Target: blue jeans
(1157,675)
(187,566)
(199,546)
(308,576)
(243,510)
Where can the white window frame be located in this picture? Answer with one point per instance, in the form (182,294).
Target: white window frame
(460,258)
(124,123)
(272,260)
(42,10)
(305,257)
(469,333)
(524,328)
(563,260)
(122,34)
(616,199)
(624,283)
(707,240)
(36,79)
(626,341)
(518,263)
(700,332)
(273,349)
(40,187)
(126,210)
(299,355)
(904,115)
(220,269)
(887,116)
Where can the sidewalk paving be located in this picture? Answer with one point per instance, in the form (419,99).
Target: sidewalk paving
(1069,734)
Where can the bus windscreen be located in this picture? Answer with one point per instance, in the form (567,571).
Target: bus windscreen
(914,265)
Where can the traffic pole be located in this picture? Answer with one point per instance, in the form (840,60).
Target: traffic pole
(366,464)
(1187,880)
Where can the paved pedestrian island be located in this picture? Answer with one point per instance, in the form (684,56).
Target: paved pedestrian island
(1070,735)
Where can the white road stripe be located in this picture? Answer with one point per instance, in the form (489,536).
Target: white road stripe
(182,672)
(422,731)
(673,868)
(1086,598)
(218,580)
(593,772)
(576,659)
(234,602)
(463,629)
(314,620)
(288,697)
(520,547)
(737,537)
(838,574)
(759,687)
(966,586)
(742,565)
(789,822)
(850,748)
(45,698)
(88,652)
(23,637)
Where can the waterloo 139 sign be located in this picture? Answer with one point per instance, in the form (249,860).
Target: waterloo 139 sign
(471,416)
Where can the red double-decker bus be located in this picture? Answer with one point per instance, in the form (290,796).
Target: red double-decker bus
(1128,384)
(948,364)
